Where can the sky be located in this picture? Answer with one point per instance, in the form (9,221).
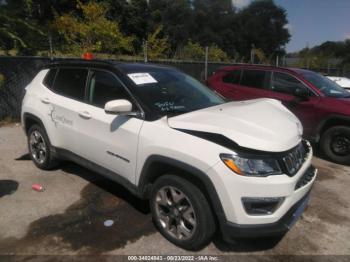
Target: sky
(312,22)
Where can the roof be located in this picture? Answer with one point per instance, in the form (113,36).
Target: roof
(77,62)
(255,66)
(124,66)
(137,67)
(299,70)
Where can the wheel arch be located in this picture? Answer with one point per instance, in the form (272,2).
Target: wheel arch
(330,121)
(29,120)
(156,165)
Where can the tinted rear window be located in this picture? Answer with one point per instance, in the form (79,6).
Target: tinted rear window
(50,78)
(255,78)
(70,82)
(232,77)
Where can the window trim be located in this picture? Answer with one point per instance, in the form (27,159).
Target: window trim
(132,98)
(296,77)
(86,88)
(46,76)
(69,67)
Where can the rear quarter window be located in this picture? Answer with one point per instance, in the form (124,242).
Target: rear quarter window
(256,78)
(50,78)
(71,82)
(232,77)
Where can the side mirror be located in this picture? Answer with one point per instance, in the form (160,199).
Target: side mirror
(120,106)
(301,93)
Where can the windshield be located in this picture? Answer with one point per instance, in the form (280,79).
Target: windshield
(325,85)
(170,92)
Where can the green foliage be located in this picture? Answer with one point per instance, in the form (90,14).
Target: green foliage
(19,34)
(214,24)
(181,27)
(216,54)
(309,60)
(2,80)
(157,45)
(262,59)
(91,32)
(195,51)
(328,54)
(7,121)
(176,18)
(261,25)
(192,51)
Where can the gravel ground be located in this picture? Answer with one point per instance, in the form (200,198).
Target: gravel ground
(67,218)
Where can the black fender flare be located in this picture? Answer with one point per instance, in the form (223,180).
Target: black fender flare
(147,177)
(27,116)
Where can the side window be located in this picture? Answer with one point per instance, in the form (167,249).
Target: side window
(71,82)
(285,83)
(255,78)
(50,78)
(232,77)
(104,87)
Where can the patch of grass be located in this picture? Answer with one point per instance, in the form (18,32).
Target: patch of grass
(7,121)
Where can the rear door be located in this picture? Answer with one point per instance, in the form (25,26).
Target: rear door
(283,86)
(108,140)
(244,84)
(66,100)
(229,84)
(254,84)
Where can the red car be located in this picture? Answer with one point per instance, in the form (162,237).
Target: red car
(322,106)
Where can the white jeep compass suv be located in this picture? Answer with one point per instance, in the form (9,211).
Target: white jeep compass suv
(203,163)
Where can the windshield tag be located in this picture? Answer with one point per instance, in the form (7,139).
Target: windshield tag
(142,78)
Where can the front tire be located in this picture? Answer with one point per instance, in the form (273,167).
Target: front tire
(40,148)
(335,144)
(181,212)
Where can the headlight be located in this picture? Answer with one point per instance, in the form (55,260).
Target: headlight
(251,166)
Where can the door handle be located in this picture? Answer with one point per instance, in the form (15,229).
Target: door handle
(85,115)
(45,100)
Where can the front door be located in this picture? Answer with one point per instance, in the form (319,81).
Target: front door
(108,140)
(283,86)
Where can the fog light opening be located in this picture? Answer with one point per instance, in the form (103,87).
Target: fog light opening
(261,205)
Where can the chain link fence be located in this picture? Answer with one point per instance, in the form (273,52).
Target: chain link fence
(17,72)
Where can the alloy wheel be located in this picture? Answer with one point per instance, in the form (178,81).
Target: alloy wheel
(175,213)
(37,147)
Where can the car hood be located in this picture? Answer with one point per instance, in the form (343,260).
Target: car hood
(260,124)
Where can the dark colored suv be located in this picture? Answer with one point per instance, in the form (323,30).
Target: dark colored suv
(322,106)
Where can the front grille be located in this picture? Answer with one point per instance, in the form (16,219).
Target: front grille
(293,160)
(306,177)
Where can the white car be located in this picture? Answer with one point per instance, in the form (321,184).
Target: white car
(205,165)
(342,81)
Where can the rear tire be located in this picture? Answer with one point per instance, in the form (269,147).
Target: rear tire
(335,144)
(40,149)
(181,212)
